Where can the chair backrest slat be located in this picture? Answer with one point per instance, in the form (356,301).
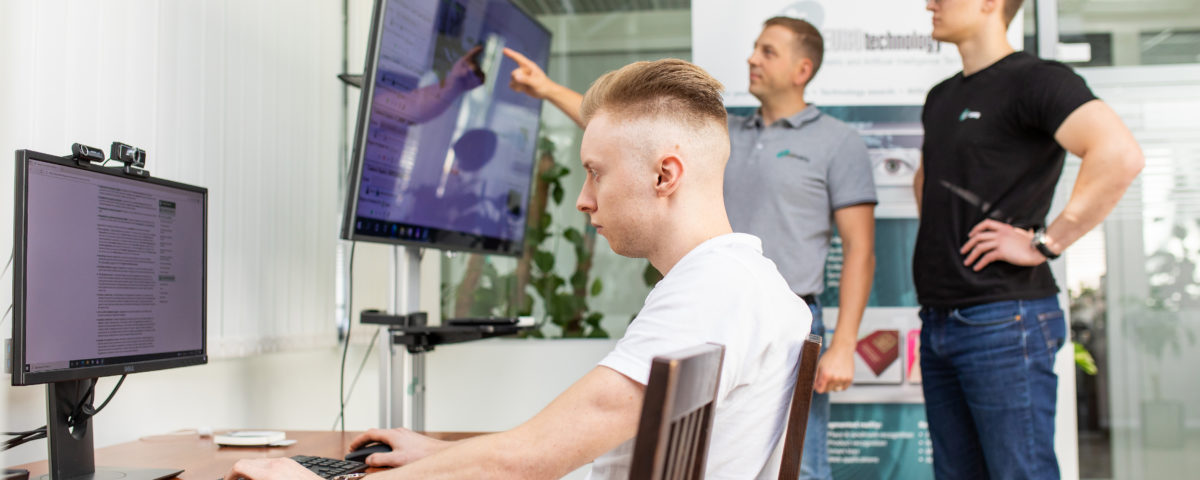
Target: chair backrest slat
(677,415)
(793,444)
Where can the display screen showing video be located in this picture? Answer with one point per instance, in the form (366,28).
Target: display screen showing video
(445,149)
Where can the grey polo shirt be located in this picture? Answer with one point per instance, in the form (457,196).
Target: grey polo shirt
(784,181)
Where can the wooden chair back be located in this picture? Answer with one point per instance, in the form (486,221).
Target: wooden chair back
(793,444)
(677,415)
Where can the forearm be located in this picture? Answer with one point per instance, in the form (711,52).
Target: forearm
(569,101)
(595,415)
(918,184)
(1104,177)
(858,270)
(430,101)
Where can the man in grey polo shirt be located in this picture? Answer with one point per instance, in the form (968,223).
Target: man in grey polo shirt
(793,174)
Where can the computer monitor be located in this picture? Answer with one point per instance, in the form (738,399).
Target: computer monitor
(109,279)
(444,150)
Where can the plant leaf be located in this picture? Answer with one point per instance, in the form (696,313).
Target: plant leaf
(544,260)
(650,275)
(597,287)
(1084,360)
(572,235)
(556,192)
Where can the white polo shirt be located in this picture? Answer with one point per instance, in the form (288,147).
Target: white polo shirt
(723,291)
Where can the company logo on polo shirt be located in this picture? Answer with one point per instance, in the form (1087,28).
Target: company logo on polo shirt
(967,114)
(789,153)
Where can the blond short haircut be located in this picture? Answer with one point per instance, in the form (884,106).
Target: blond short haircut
(670,88)
(809,41)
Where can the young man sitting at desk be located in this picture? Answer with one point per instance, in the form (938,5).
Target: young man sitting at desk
(654,149)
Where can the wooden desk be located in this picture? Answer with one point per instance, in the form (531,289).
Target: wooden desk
(202,459)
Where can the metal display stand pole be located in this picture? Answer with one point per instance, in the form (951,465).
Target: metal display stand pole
(409,339)
(402,374)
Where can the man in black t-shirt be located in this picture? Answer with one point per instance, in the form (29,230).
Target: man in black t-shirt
(996,136)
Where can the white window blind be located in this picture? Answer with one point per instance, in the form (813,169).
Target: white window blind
(240,97)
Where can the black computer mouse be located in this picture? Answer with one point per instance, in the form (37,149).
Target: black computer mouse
(361,454)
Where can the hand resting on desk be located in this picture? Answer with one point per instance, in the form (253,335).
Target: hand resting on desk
(407,446)
(270,469)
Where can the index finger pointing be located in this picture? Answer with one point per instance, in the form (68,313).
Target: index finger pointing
(516,56)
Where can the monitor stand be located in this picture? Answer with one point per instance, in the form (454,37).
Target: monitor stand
(71,453)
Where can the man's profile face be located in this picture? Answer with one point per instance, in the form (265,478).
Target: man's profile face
(618,194)
(774,62)
(955,20)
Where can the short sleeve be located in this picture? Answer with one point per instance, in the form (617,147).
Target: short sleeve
(692,306)
(851,181)
(1052,92)
(664,325)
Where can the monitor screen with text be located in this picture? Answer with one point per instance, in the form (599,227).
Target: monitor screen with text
(112,272)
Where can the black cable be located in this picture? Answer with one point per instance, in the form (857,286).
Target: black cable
(82,412)
(6,312)
(361,366)
(32,435)
(110,395)
(346,345)
(27,432)
(8,263)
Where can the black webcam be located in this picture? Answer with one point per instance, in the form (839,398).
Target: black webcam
(85,154)
(128,154)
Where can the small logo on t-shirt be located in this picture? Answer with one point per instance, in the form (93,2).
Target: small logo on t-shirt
(789,153)
(968,114)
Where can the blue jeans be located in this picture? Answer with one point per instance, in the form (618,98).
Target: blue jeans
(990,388)
(814,464)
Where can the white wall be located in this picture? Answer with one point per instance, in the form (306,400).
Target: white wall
(228,96)
(225,94)
(239,97)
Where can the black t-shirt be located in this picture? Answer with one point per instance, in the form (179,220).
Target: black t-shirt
(990,152)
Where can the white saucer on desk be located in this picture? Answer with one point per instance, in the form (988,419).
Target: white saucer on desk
(252,438)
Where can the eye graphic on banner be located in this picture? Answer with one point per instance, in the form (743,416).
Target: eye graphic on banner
(895,166)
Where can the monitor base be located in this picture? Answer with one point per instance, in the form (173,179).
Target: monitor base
(115,473)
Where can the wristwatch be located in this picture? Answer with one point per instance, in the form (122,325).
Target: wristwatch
(1039,243)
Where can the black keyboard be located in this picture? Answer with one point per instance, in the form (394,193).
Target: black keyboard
(329,467)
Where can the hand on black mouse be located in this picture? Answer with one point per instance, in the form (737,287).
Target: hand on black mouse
(360,454)
(406,446)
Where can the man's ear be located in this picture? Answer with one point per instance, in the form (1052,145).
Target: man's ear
(990,6)
(670,173)
(803,72)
